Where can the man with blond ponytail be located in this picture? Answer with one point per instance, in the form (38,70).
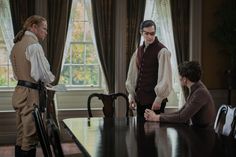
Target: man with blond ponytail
(30,67)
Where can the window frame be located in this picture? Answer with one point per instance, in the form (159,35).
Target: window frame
(84,42)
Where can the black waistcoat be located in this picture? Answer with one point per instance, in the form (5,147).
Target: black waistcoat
(147,63)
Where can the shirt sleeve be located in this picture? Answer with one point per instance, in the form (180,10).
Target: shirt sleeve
(132,76)
(40,68)
(164,82)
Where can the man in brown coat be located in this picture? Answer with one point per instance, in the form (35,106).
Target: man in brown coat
(199,109)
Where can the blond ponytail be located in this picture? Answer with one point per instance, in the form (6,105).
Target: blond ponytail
(35,19)
(19,35)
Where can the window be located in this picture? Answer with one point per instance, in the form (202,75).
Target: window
(81,67)
(6,73)
(159,12)
(6,42)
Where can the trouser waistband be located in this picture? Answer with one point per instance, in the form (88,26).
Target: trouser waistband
(28,84)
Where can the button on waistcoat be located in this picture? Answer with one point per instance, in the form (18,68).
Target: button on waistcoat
(147,63)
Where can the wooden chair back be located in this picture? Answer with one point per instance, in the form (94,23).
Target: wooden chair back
(108,103)
(225,122)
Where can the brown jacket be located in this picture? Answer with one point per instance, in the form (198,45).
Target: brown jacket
(199,108)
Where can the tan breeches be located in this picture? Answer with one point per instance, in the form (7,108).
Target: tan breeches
(23,100)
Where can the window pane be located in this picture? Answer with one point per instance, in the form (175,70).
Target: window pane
(92,75)
(91,57)
(12,81)
(78,31)
(78,9)
(65,75)
(67,56)
(88,34)
(4,75)
(85,75)
(77,53)
(77,16)
(78,75)
(4,59)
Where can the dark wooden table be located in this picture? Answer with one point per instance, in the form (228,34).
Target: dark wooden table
(132,137)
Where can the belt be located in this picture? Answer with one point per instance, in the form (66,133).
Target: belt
(28,84)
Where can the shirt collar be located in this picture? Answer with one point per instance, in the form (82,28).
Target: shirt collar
(195,86)
(31,34)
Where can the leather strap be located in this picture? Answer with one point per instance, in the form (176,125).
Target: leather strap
(28,84)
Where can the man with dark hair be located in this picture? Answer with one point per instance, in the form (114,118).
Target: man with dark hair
(199,109)
(149,79)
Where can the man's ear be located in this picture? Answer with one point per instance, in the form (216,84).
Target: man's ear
(186,80)
(34,28)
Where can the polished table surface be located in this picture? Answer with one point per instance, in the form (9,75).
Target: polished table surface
(132,137)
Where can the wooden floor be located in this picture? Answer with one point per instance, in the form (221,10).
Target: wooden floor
(69,149)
